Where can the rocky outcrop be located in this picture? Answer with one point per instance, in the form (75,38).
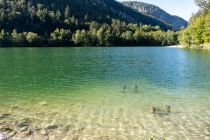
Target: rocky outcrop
(154,11)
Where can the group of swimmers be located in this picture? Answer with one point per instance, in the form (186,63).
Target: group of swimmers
(154,109)
(158,110)
(135,88)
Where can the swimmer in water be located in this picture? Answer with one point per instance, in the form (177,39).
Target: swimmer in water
(124,88)
(168,109)
(154,109)
(136,87)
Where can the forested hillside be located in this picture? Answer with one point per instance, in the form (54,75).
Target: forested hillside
(197,35)
(78,22)
(154,11)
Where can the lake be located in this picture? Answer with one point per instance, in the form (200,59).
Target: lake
(105,93)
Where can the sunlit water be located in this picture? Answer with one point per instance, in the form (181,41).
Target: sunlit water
(81,91)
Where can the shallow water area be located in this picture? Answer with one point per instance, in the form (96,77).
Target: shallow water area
(77,93)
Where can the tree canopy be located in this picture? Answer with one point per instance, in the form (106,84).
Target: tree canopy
(198,32)
(202,3)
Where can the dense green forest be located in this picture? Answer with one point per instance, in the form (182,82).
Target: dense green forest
(118,33)
(197,35)
(79,23)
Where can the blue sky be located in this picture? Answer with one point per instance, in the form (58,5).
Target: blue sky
(182,8)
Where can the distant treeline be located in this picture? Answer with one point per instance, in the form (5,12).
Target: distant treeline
(198,32)
(49,23)
(94,34)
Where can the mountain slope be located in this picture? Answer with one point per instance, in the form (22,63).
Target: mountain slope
(101,9)
(152,10)
(36,15)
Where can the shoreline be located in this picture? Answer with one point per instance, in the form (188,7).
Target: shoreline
(175,46)
(205,47)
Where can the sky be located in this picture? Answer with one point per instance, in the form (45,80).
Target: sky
(182,8)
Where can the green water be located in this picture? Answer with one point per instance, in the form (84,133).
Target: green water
(84,87)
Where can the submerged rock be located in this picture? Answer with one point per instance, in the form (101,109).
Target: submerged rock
(24,129)
(23,123)
(25,133)
(5,129)
(11,134)
(209,129)
(67,127)
(44,103)
(52,127)
(44,132)
(35,128)
(3,136)
(6,134)
(5,116)
(14,106)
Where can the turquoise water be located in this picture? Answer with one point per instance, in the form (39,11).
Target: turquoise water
(84,88)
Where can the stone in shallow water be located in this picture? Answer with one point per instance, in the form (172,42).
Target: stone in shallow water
(44,103)
(5,129)
(11,134)
(209,129)
(25,133)
(44,132)
(3,136)
(52,127)
(24,129)
(23,123)
(5,116)
(6,135)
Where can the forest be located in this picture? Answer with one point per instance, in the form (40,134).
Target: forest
(117,34)
(30,23)
(197,34)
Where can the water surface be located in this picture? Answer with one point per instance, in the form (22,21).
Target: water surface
(82,88)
